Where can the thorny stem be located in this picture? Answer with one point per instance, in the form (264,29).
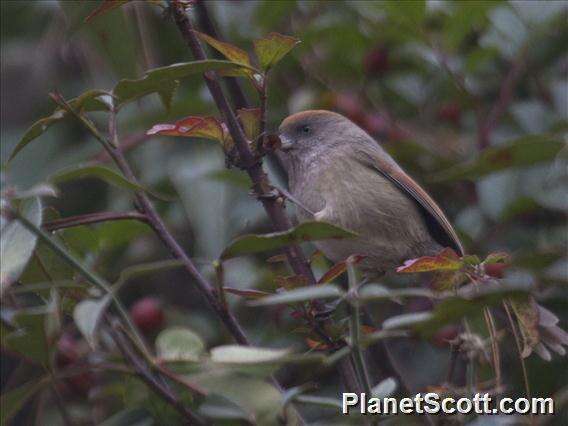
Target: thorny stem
(273,206)
(146,376)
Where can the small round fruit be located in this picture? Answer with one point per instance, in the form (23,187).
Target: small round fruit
(147,314)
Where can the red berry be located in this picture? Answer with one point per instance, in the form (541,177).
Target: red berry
(376,62)
(444,335)
(67,350)
(147,314)
(496,270)
(450,112)
(81,383)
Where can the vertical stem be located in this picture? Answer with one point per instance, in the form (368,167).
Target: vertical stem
(355,330)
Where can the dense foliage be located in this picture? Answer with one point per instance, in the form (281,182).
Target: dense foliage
(143,282)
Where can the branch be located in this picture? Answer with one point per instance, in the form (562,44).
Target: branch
(206,24)
(128,143)
(253,166)
(152,382)
(69,222)
(273,205)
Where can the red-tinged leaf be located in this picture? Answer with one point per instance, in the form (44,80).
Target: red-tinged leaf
(272,48)
(367,329)
(446,260)
(196,127)
(105,6)
(317,346)
(248,294)
(230,51)
(279,258)
(250,119)
(291,282)
(339,268)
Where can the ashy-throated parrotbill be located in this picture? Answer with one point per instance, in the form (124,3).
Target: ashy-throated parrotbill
(341,175)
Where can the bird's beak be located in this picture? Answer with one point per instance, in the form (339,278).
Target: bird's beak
(286,143)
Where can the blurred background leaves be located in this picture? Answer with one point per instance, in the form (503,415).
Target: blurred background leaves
(470,97)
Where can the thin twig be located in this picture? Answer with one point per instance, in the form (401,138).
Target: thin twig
(152,382)
(206,24)
(127,143)
(355,331)
(519,349)
(86,219)
(504,100)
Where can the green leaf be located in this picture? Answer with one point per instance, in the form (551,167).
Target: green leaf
(272,48)
(17,243)
(13,400)
(103,173)
(104,7)
(92,100)
(470,301)
(88,315)
(129,417)
(303,294)
(29,339)
(406,320)
(238,354)
(497,257)
(307,231)
(522,152)
(260,400)
(163,80)
(378,292)
(230,51)
(216,407)
(179,344)
(250,119)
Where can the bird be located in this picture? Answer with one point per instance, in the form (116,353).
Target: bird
(339,174)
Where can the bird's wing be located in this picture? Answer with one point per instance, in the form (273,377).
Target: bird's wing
(439,226)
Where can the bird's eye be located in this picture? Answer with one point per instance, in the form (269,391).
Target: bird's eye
(305,129)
